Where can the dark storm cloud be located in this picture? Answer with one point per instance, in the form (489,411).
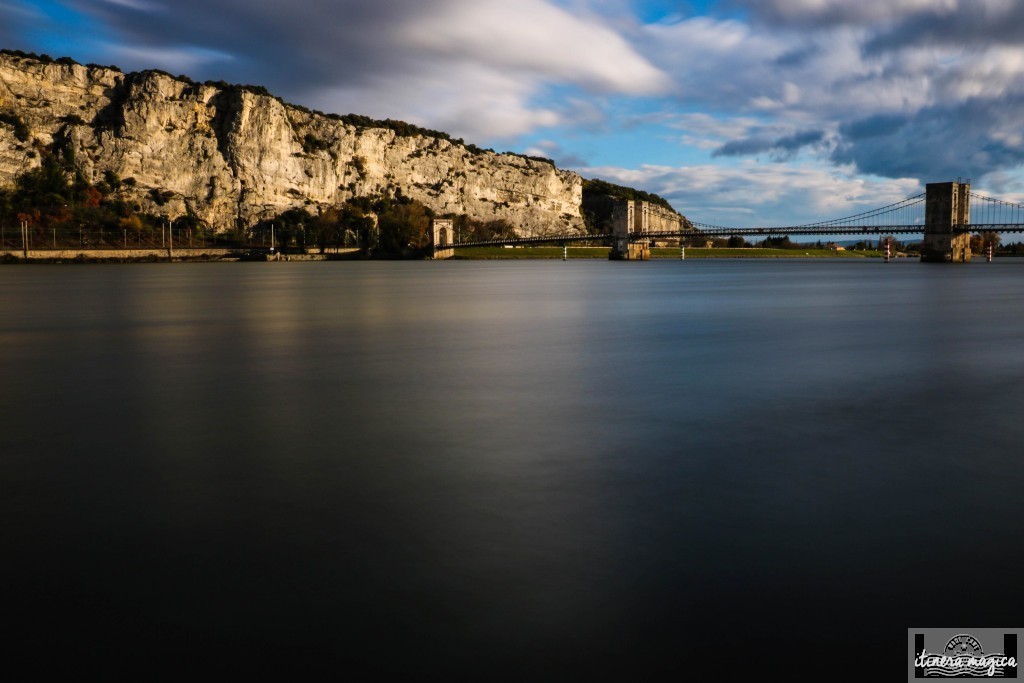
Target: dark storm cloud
(830,13)
(873,127)
(970,24)
(895,24)
(972,138)
(798,57)
(295,45)
(783,147)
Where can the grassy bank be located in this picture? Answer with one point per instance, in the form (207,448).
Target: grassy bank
(758,252)
(658,253)
(531,253)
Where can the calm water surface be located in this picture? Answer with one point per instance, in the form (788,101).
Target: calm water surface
(472,470)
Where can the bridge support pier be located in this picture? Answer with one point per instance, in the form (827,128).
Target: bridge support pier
(630,251)
(947,215)
(442,233)
(624,219)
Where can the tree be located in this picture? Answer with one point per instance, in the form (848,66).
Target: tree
(404,226)
(354,221)
(323,230)
(980,242)
(46,184)
(338,226)
(288,227)
(131,223)
(780,243)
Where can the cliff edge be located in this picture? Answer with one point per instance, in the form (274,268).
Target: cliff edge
(235,155)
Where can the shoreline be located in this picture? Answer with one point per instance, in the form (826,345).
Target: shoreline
(215,255)
(657,253)
(186,255)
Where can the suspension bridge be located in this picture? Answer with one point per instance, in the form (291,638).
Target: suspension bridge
(946,214)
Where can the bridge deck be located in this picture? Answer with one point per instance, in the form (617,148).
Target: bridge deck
(905,217)
(740,232)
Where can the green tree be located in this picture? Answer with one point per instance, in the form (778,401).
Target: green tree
(356,223)
(404,227)
(980,242)
(45,185)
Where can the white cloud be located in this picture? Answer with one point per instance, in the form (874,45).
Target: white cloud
(752,194)
(707,132)
(728,66)
(180,59)
(991,73)
(534,37)
(141,5)
(499,105)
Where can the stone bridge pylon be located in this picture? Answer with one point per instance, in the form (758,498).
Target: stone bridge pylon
(947,214)
(630,218)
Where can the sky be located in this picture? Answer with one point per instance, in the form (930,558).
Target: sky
(739,112)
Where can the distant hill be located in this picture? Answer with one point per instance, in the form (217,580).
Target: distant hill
(599,198)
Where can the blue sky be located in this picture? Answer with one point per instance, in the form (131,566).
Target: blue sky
(740,112)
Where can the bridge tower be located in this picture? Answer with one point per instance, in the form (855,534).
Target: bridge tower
(629,218)
(947,211)
(442,235)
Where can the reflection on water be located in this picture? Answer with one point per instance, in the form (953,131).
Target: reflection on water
(482,470)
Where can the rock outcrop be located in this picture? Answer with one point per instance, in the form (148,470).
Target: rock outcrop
(233,155)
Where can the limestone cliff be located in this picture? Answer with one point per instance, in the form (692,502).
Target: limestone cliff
(234,156)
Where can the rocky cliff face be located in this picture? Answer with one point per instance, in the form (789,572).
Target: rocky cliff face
(230,155)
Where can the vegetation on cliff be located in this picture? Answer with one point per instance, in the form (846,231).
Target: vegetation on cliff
(62,208)
(602,188)
(21,131)
(389,225)
(600,197)
(47,59)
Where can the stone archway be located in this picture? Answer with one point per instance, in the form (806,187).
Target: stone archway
(442,233)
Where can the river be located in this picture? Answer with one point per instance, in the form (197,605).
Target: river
(485,470)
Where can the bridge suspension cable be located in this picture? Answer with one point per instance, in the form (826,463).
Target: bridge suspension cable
(902,216)
(908,211)
(998,213)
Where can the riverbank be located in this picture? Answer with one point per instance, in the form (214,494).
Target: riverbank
(154,255)
(472,254)
(486,253)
